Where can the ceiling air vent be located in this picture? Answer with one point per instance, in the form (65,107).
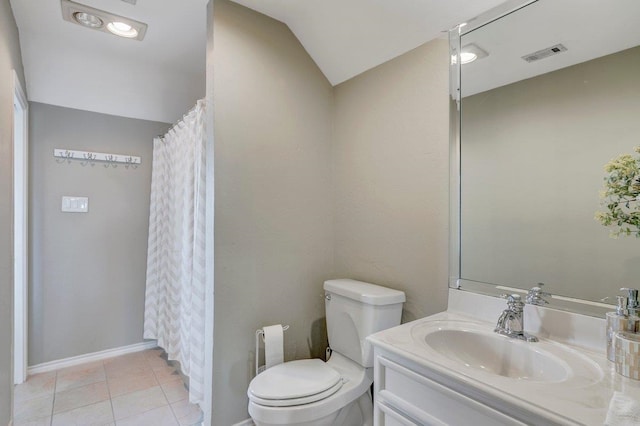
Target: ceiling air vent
(544,53)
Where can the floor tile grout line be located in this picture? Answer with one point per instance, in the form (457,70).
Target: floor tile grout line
(173,411)
(124,394)
(84,385)
(162,388)
(163,392)
(106,379)
(80,406)
(53,400)
(42,394)
(146,411)
(88,404)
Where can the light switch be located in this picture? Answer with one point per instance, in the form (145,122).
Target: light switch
(75,204)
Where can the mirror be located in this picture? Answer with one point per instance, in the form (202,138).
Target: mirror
(552,96)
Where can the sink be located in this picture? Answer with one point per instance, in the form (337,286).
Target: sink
(551,381)
(473,349)
(498,355)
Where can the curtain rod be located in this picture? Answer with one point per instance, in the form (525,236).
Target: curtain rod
(203,100)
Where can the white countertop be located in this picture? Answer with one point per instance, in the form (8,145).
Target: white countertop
(583,398)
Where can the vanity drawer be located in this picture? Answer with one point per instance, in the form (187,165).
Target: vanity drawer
(419,400)
(389,416)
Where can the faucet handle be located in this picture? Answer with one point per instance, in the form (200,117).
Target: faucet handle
(536,296)
(511,297)
(514,301)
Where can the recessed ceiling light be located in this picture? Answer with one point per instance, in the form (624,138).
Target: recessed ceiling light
(122,29)
(100,20)
(88,20)
(469,53)
(466,57)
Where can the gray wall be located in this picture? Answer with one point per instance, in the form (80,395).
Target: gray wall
(87,269)
(532,168)
(9,59)
(309,187)
(273,229)
(390,177)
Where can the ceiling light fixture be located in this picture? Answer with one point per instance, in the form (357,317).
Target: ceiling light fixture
(469,53)
(96,19)
(88,20)
(466,57)
(122,29)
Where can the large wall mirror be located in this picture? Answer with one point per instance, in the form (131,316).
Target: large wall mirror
(552,96)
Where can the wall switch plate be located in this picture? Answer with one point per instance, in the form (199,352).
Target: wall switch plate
(75,204)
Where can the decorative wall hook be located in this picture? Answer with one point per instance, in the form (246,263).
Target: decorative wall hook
(129,161)
(66,156)
(110,158)
(89,159)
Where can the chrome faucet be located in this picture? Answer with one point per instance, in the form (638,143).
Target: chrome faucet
(536,296)
(511,321)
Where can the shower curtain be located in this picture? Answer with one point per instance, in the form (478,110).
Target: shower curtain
(175,292)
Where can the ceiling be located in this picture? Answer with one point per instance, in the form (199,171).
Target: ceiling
(162,76)
(157,79)
(348,37)
(594,29)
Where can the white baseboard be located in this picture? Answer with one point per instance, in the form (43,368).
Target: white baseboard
(95,356)
(247,422)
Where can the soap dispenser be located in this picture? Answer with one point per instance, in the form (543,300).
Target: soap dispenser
(618,320)
(633,304)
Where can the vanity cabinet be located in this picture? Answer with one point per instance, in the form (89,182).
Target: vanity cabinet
(406,394)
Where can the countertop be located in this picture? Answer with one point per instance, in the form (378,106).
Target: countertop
(583,398)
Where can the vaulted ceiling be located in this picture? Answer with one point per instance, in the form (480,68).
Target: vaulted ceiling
(348,37)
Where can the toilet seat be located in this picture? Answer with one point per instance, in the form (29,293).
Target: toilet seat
(356,381)
(297,401)
(295,383)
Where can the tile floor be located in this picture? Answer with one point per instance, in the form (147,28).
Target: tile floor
(134,389)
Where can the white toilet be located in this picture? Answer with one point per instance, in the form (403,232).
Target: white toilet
(311,392)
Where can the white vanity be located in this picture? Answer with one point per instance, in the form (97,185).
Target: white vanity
(452,369)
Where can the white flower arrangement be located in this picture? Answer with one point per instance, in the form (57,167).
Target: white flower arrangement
(621,196)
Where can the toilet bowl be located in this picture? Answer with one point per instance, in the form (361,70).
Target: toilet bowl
(336,393)
(278,400)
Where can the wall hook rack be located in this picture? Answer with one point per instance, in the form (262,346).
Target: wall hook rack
(88,157)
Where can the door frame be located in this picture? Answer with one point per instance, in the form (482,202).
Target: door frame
(20,229)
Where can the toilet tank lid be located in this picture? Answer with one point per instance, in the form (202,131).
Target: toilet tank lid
(370,294)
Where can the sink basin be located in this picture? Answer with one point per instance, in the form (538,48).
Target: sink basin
(498,355)
(552,381)
(473,349)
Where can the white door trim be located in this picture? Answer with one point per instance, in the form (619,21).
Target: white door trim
(20,228)
(207,405)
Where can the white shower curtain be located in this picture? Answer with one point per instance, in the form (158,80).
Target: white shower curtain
(175,293)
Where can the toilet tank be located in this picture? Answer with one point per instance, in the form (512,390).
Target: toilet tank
(355,310)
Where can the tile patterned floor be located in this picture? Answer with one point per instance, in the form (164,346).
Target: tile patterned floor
(137,389)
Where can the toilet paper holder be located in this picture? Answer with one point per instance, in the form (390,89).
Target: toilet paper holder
(260,336)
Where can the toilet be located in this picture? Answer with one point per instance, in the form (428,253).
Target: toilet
(312,392)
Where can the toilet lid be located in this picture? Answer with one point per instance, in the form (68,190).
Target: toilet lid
(296,401)
(295,380)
